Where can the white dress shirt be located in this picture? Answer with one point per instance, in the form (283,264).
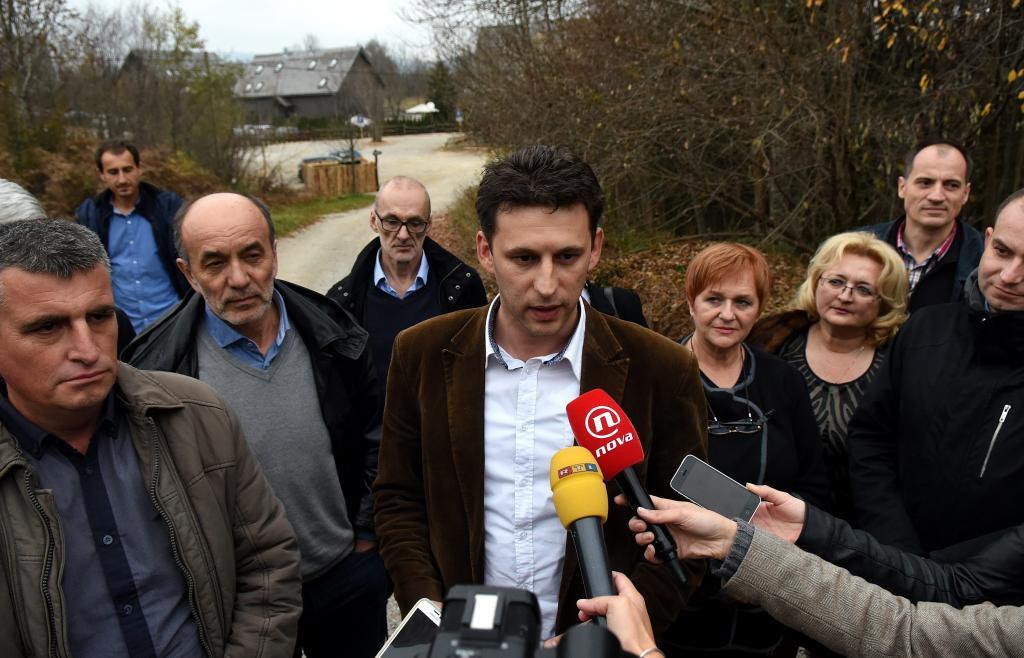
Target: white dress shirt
(525,424)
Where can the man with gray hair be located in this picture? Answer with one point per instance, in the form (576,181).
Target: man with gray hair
(403,277)
(17,203)
(135,519)
(297,369)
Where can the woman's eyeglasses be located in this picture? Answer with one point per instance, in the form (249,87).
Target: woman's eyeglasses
(838,284)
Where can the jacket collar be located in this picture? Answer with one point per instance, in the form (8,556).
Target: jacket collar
(146,205)
(440,260)
(605,365)
(136,390)
(170,343)
(1001,333)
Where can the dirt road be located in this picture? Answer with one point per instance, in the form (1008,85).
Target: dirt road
(320,255)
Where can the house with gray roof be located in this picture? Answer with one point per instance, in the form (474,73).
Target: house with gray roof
(328,83)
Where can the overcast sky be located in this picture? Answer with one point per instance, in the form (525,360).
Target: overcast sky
(246,27)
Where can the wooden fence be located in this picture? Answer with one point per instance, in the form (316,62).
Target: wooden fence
(337,179)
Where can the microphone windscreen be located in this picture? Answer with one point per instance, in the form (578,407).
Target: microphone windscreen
(602,427)
(577,486)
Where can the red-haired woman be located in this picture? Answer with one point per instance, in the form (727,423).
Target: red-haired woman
(761,429)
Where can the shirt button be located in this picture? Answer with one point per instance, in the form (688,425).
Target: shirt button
(129,222)
(89,470)
(107,540)
(127,609)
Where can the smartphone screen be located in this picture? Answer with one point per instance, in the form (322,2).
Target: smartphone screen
(417,632)
(714,490)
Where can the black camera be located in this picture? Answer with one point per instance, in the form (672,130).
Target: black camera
(481,622)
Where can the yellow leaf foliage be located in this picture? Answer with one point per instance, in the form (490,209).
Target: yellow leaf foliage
(985,110)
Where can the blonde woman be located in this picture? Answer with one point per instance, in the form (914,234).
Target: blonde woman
(851,303)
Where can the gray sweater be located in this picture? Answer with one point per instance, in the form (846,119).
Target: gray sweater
(856,618)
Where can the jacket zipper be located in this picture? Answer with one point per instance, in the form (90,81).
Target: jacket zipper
(189,579)
(992,442)
(44,580)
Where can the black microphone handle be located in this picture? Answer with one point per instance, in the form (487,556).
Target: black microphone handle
(664,545)
(588,537)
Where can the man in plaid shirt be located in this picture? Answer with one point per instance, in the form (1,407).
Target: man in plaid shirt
(939,249)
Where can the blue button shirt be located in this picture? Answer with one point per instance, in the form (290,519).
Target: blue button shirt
(381,280)
(123,592)
(242,348)
(142,287)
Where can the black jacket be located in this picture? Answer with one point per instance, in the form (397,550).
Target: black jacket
(994,573)
(342,369)
(945,281)
(156,205)
(622,303)
(460,286)
(930,463)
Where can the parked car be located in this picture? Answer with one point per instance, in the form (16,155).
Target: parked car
(341,156)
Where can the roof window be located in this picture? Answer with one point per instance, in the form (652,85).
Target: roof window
(332,63)
(259,69)
(259,85)
(278,67)
(322,83)
(311,65)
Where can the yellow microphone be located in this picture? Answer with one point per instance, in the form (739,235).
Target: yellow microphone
(581,500)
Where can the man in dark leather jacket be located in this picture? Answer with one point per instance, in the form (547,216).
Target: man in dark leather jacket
(297,370)
(933,458)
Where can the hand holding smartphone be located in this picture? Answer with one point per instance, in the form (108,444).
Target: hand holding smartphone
(415,633)
(705,485)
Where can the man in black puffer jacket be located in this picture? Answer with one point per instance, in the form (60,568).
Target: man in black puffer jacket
(403,277)
(934,454)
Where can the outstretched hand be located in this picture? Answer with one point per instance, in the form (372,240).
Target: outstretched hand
(626,614)
(697,532)
(779,513)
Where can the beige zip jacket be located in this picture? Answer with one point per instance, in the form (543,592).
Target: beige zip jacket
(229,534)
(855,618)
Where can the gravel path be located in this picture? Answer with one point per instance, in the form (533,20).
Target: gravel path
(321,254)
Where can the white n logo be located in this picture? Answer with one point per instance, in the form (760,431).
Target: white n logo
(602,422)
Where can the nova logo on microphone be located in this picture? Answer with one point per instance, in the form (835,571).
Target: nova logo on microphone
(602,422)
(613,444)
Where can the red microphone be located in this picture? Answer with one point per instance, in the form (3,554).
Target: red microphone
(602,427)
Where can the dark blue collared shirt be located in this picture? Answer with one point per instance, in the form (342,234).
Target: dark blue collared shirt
(124,595)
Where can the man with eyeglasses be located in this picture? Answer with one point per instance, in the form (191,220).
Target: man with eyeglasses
(403,277)
(935,457)
(297,371)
